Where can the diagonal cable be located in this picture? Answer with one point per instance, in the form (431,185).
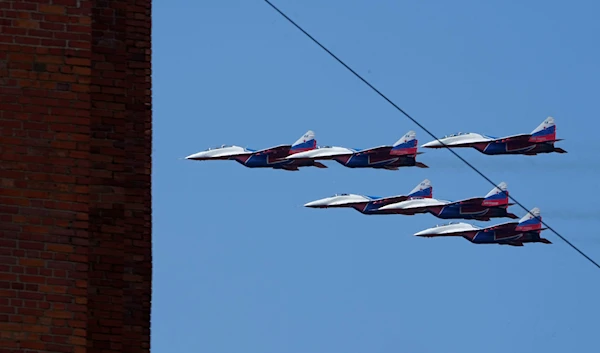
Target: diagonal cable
(425,129)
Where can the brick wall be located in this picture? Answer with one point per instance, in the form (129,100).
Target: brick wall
(75,161)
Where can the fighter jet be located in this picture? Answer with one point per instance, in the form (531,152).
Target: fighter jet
(403,153)
(527,230)
(272,157)
(369,205)
(540,140)
(492,205)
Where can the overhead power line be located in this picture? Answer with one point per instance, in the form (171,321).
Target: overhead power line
(425,129)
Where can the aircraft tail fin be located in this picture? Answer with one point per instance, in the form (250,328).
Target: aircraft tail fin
(498,196)
(305,143)
(532,221)
(406,145)
(424,189)
(545,132)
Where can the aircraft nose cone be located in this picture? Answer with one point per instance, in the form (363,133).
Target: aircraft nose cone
(195,155)
(422,233)
(430,144)
(315,204)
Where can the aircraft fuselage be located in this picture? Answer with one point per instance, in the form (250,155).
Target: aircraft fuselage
(266,161)
(515,147)
(375,161)
(504,237)
(468,211)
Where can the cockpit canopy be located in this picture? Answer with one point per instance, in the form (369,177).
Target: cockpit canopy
(446,224)
(219,147)
(456,134)
(344,194)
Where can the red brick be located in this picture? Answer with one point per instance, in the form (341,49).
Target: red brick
(28,40)
(53,43)
(55,220)
(32,279)
(32,262)
(51,9)
(71,3)
(78,62)
(41,33)
(25,23)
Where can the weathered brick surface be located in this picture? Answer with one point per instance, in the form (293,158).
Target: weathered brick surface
(75,154)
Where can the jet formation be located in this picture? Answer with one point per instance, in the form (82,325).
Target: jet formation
(271,157)
(420,200)
(403,153)
(305,153)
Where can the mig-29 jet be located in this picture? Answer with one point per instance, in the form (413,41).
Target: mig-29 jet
(272,157)
(492,205)
(369,205)
(403,153)
(527,230)
(540,140)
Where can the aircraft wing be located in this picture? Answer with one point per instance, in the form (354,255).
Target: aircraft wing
(513,138)
(389,200)
(508,226)
(279,151)
(329,152)
(465,201)
(375,150)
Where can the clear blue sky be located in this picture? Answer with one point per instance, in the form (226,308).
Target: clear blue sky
(241,266)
